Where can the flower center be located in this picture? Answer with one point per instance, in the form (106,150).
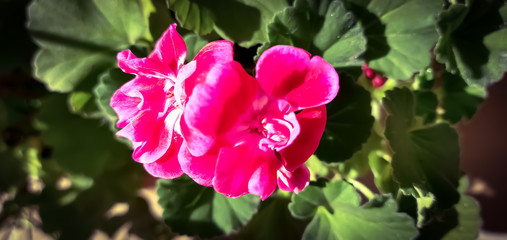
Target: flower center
(276,133)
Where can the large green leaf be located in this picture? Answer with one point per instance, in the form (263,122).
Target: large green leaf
(469,220)
(191,209)
(79,39)
(323,28)
(427,158)
(337,215)
(456,101)
(79,145)
(349,122)
(241,21)
(400,34)
(462,45)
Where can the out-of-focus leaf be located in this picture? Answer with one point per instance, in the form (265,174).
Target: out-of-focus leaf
(462,45)
(194,44)
(337,215)
(349,123)
(241,21)
(191,209)
(426,158)
(79,39)
(456,101)
(400,34)
(469,220)
(84,146)
(323,28)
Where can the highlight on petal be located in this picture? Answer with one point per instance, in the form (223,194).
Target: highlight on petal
(288,72)
(312,122)
(294,181)
(200,169)
(245,169)
(129,63)
(216,52)
(167,166)
(216,104)
(320,85)
(170,50)
(281,68)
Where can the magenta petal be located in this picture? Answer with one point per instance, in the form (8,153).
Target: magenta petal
(216,104)
(294,181)
(198,143)
(200,169)
(280,69)
(312,122)
(319,87)
(216,52)
(167,166)
(129,63)
(245,168)
(170,50)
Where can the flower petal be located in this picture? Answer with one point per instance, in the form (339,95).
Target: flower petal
(216,52)
(287,72)
(312,122)
(319,87)
(138,94)
(294,181)
(167,166)
(216,104)
(245,169)
(170,50)
(200,169)
(281,68)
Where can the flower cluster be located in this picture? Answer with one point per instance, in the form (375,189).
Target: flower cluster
(225,129)
(377,79)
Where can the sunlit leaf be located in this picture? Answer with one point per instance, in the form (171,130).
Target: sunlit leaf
(337,215)
(79,39)
(323,28)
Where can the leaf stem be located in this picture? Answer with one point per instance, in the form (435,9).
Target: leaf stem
(362,188)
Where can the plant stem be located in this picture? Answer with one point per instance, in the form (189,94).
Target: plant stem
(362,188)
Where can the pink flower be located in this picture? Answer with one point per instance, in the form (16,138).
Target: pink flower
(243,134)
(150,106)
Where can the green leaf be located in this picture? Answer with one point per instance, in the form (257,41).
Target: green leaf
(337,215)
(357,165)
(349,122)
(273,221)
(469,219)
(323,28)
(462,45)
(79,39)
(241,21)
(426,107)
(427,158)
(191,209)
(400,35)
(317,168)
(194,45)
(382,173)
(456,101)
(79,145)
(109,82)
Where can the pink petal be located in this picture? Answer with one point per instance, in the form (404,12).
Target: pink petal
(216,52)
(129,63)
(245,169)
(287,72)
(167,166)
(294,181)
(138,94)
(280,69)
(319,87)
(216,104)
(312,122)
(200,169)
(170,50)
